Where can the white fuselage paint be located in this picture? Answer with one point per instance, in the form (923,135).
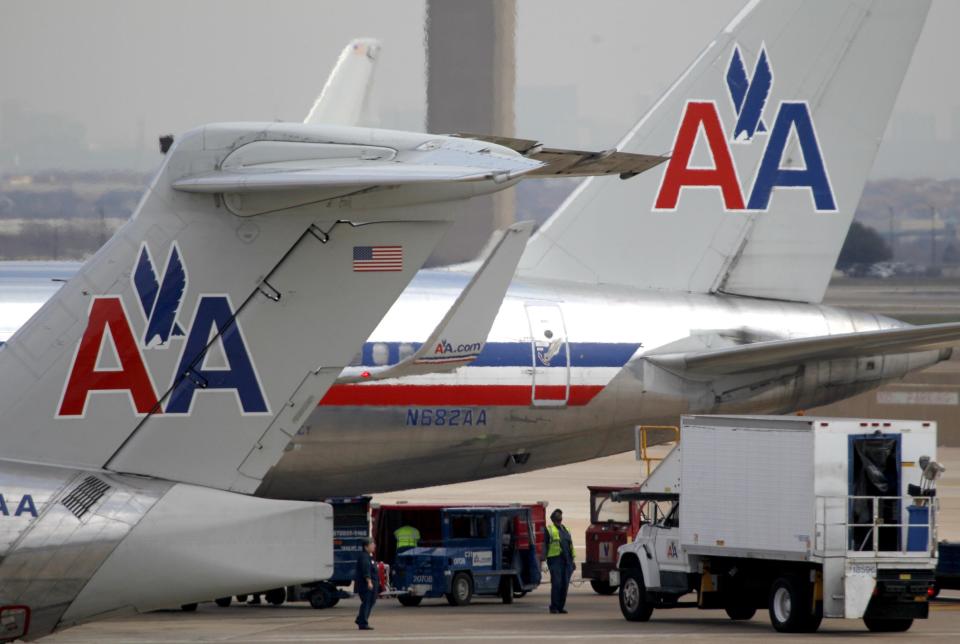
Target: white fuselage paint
(505,414)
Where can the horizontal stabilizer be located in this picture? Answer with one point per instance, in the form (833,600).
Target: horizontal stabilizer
(354,174)
(774,354)
(574,163)
(461,334)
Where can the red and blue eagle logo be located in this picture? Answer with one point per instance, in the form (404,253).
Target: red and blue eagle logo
(749,96)
(160,298)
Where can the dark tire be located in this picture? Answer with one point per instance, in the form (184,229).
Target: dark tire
(602,587)
(241,598)
(223,602)
(791,610)
(935,590)
(189,608)
(409,600)
(875,625)
(634,603)
(323,597)
(461,590)
(506,590)
(741,613)
(276,596)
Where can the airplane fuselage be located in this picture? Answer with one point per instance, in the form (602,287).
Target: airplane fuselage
(561,379)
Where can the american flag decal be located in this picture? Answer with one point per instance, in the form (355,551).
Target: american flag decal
(374,259)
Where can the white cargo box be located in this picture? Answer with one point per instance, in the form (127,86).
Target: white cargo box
(781,486)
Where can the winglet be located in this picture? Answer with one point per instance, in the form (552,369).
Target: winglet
(344,96)
(461,334)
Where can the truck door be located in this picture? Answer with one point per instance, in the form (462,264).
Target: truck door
(667,547)
(550,356)
(874,485)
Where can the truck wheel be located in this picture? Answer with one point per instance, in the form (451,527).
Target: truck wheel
(276,596)
(241,599)
(790,608)
(602,587)
(223,602)
(876,625)
(741,612)
(634,603)
(506,590)
(323,597)
(409,600)
(461,590)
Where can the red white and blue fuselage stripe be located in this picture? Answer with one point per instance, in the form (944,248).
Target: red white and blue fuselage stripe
(499,376)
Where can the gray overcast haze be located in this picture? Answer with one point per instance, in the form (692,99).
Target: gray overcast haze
(119,73)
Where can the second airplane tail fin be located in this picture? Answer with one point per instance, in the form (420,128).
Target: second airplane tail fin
(772,132)
(344,98)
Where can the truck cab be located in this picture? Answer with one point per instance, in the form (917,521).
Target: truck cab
(481,551)
(612,524)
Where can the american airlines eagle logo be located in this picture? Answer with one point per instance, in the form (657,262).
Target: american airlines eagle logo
(110,360)
(749,95)
(160,300)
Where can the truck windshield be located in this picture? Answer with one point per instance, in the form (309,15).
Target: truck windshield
(609,510)
(469,527)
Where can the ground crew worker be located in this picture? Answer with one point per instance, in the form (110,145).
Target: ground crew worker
(407,537)
(560,560)
(367,583)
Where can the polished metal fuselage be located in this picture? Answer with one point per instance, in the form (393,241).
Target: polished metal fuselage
(352,445)
(57,527)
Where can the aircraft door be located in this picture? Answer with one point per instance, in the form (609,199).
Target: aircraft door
(550,355)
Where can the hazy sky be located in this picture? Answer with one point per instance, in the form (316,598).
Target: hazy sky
(128,71)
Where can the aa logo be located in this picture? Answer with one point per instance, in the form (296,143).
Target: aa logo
(110,360)
(749,95)
(672,552)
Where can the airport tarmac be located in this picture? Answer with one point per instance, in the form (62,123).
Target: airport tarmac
(591,616)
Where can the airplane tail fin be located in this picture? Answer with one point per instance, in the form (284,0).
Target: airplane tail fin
(191,346)
(344,98)
(772,132)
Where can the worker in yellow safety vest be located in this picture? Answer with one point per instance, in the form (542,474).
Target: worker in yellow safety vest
(560,560)
(407,537)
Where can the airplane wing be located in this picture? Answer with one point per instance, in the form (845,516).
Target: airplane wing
(782,353)
(345,95)
(461,334)
(574,163)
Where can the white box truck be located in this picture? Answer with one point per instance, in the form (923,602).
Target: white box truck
(807,517)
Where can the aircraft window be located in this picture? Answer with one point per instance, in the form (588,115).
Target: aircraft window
(406,350)
(381,353)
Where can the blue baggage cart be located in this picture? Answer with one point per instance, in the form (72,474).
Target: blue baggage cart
(482,551)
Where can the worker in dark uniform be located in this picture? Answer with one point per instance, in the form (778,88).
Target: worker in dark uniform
(560,560)
(367,583)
